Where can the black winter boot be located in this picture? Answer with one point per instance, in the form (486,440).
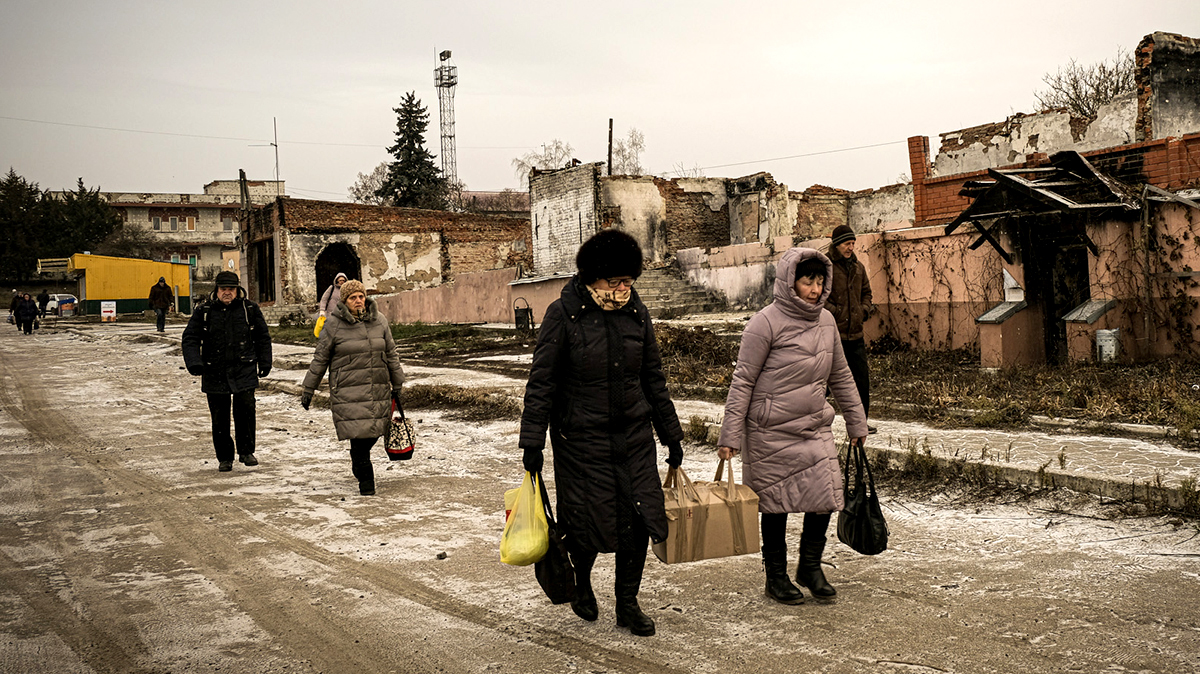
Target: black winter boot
(779,586)
(365,473)
(584,605)
(629,580)
(812,546)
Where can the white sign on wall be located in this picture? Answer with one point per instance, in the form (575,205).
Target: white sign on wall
(108,311)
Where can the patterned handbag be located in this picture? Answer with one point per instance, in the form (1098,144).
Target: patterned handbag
(400,436)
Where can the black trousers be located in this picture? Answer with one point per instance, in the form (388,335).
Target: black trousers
(26,326)
(856,358)
(219,405)
(774,525)
(161,315)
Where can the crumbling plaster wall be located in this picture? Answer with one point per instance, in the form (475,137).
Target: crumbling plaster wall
(390,262)
(564,212)
(1169,85)
(881,210)
(1021,136)
(760,209)
(635,205)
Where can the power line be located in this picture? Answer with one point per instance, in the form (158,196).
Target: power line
(798,156)
(254,140)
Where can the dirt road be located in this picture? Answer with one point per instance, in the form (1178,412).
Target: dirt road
(122,549)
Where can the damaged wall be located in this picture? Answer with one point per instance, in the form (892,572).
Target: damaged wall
(760,209)
(397,248)
(1168,86)
(389,262)
(564,212)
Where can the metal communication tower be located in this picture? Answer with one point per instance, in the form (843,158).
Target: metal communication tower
(446,78)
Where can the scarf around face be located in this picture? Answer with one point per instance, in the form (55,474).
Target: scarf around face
(610,300)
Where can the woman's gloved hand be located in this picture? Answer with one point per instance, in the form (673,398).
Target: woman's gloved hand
(533,460)
(674,454)
(306,399)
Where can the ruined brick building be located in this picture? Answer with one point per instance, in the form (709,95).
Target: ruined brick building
(1021,238)
(293,248)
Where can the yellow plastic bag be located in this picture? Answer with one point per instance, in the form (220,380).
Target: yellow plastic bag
(317,328)
(526,533)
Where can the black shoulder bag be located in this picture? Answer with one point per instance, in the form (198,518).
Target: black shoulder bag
(860,523)
(554,571)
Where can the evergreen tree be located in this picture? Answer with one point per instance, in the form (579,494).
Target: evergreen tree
(19,214)
(413,181)
(36,224)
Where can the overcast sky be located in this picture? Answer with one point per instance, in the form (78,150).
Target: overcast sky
(165,97)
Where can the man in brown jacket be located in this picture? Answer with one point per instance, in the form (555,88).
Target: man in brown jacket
(850,304)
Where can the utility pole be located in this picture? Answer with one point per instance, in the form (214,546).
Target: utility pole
(610,146)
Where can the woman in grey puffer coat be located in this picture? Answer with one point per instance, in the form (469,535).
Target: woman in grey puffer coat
(365,377)
(777,414)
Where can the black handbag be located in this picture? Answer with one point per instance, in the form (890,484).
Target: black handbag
(554,571)
(860,523)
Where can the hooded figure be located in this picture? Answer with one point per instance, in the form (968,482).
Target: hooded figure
(596,384)
(777,417)
(226,343)
(333,295)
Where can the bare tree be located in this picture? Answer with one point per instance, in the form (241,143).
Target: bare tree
(1083,89)
(627,154)
(363,190)
(555,154)
(682,170)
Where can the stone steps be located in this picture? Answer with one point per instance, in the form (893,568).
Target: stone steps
(663,292)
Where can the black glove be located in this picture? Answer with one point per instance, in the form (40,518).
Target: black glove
(264,370)
(306,399)
(396,399)
(674,454)
(195,370)
(532,460)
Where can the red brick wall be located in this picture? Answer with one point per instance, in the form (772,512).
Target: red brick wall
(691,223)
(1170,163)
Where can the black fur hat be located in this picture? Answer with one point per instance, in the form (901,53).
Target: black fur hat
(608,254)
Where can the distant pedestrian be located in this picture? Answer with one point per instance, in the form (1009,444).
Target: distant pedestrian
(357,349)
(43,299)
(850,303)
(226,343)
(597,385)
(12,308)
(26,313)
(778,419)
(161,301)
(333,295)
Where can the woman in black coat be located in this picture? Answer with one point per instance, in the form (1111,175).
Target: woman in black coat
(597,385)
(27,313)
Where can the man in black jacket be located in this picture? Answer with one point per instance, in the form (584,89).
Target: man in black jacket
(227,345)
(162,300)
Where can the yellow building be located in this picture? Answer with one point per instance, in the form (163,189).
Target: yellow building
(127,281)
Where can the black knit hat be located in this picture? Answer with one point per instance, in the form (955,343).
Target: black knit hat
(227,279)
(842,234)
(609,254)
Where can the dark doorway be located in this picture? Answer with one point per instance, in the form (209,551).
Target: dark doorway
(1056,274)
(337,257)
(262,257)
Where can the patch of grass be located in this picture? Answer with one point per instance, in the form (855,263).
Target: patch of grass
(300,335)
(1010,414)
(696,429)
(697,357)
(467,404)
(1190,496)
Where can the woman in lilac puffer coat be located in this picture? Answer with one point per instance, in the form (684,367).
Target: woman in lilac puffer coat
(777,417)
